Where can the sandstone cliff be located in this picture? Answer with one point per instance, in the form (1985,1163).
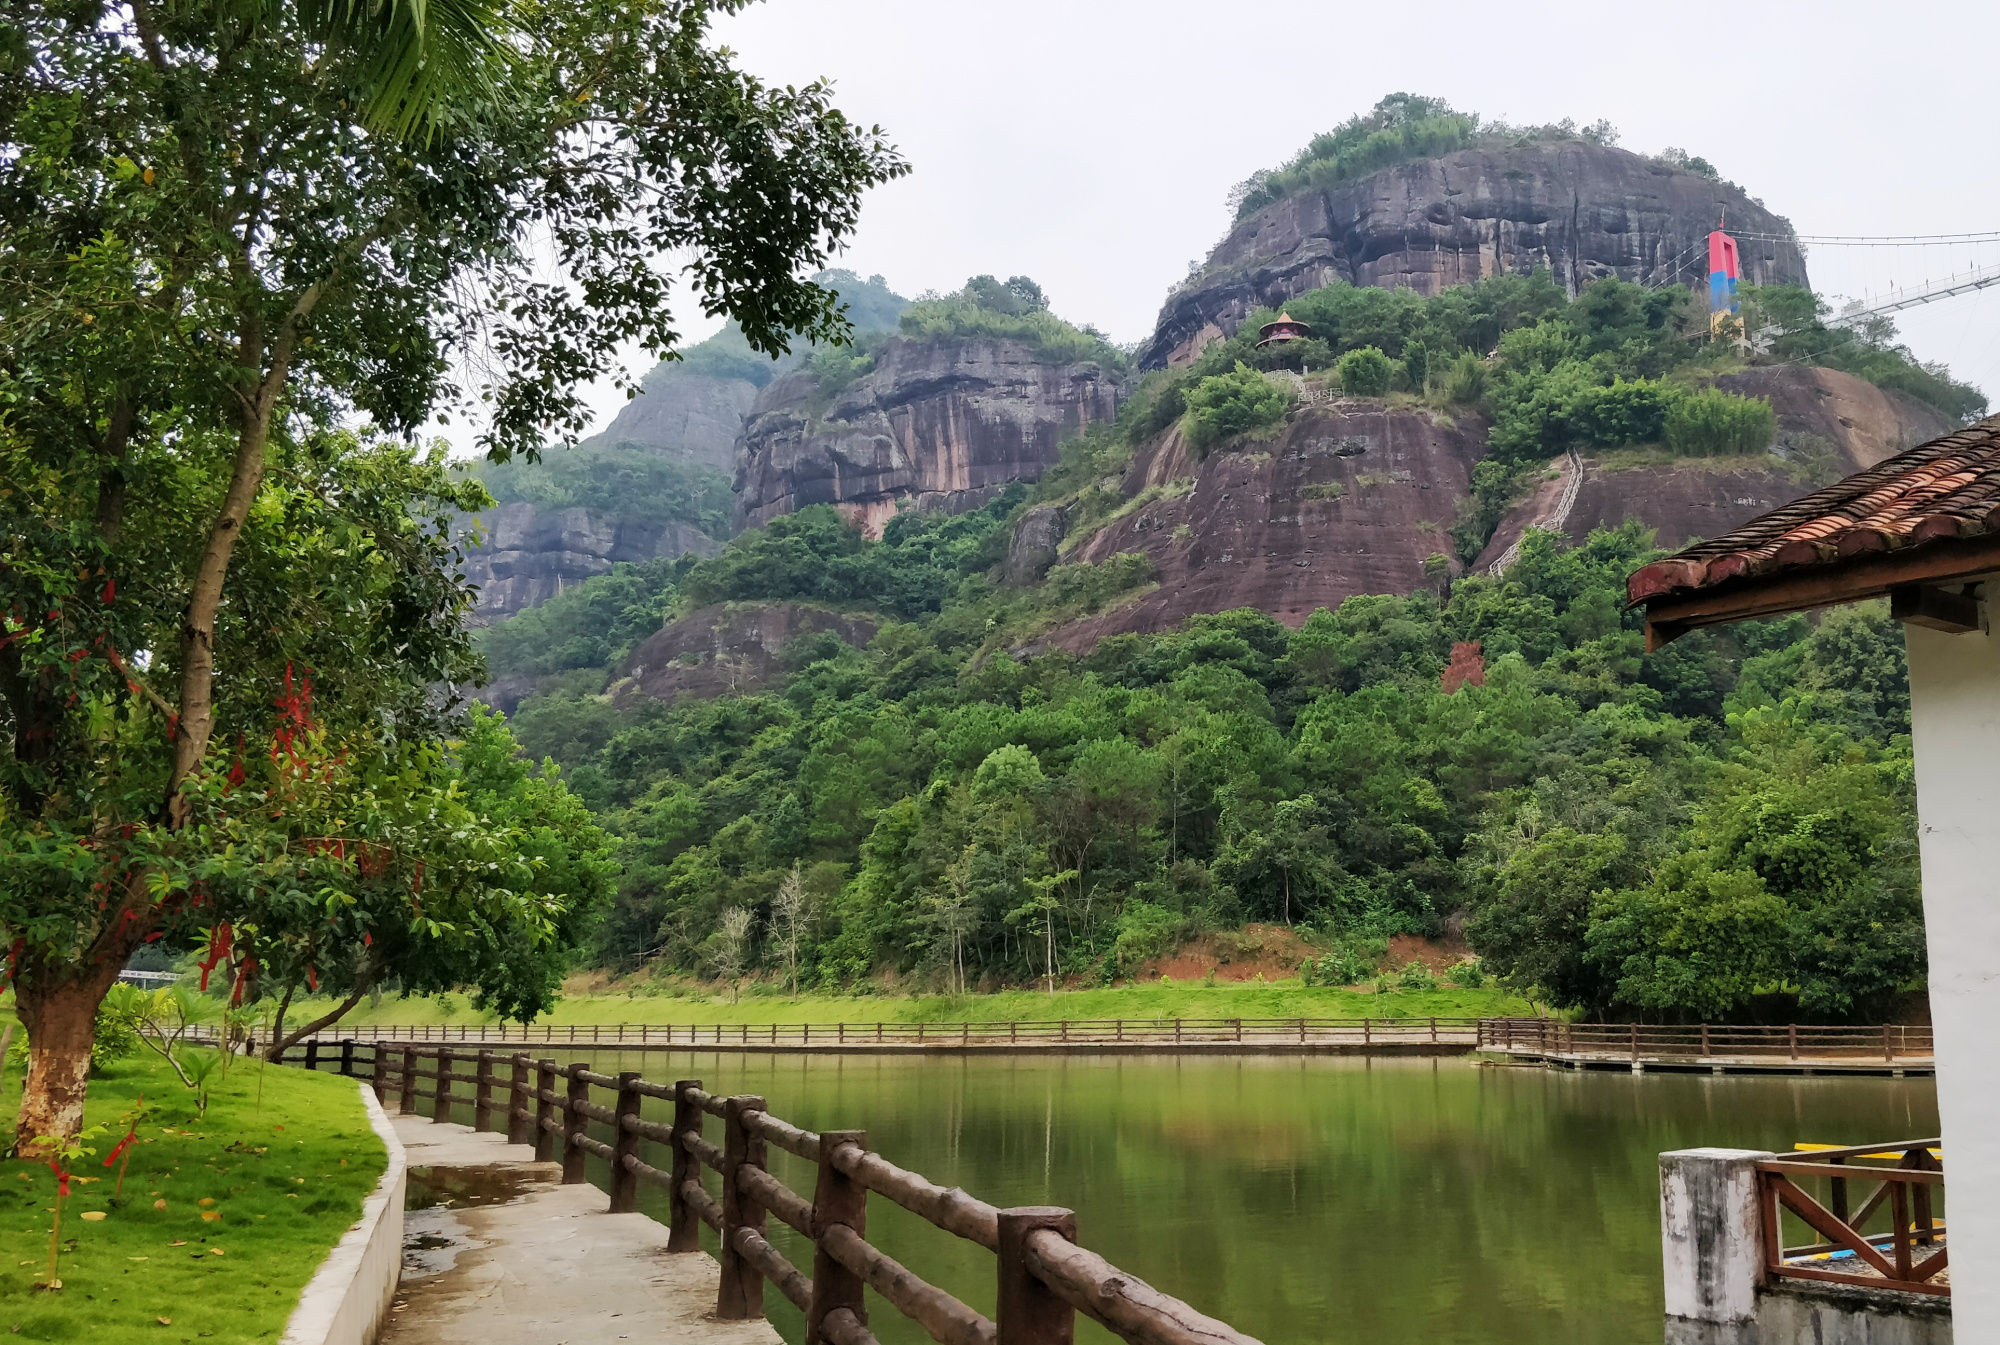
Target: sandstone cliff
(943,424)
(690,415)
(530,555)
(1581,210)
(1690,498)
(730,647)
(1349,498)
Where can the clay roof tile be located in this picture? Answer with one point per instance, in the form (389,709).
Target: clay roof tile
(1949,487)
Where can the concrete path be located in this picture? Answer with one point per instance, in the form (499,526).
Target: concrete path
(516,1258)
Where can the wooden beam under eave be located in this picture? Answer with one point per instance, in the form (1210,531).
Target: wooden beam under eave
(1848,579)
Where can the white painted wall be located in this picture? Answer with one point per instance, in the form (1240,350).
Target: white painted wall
(1955,712)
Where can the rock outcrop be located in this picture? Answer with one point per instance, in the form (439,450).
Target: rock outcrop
(727,648)
(1349,498)
(530,555)
(1581,210)
(690,415)
(1035,545)
(941,424)
(1690,498)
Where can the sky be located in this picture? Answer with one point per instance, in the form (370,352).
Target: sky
(1090,143)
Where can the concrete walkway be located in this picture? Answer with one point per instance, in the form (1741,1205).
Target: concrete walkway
(516,1258)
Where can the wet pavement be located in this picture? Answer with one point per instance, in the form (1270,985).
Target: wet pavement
(498,1252)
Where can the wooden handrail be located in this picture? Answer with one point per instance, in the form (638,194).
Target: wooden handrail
(1906,1188)
(1044,1276)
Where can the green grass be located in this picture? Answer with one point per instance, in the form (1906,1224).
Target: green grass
(287,1178)
(680,1002)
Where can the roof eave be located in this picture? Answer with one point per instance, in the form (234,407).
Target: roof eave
(1850,579)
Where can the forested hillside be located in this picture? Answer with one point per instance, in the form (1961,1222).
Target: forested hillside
(1662,834)
(991,790)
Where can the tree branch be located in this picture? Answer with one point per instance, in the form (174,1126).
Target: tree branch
(281,1044)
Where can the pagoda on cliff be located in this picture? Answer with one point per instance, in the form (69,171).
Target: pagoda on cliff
(1286,328)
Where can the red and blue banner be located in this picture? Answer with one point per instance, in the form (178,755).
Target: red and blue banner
(1721,273)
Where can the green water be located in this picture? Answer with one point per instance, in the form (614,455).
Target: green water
(1335,1200)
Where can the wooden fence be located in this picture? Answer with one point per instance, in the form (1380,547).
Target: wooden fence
(1636,1041)
(1877,1261)
(1043,1277)
(1466,1032)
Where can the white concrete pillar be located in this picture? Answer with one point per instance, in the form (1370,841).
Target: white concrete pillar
(1955,719)
(1711,1245)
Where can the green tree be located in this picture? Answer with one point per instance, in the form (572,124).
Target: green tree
(1237,402)
(228,228)
(1365,372)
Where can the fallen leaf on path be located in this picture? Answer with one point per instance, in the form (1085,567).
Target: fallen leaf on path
(164,1321)
(215,1251)
(93,1215)
(159,1204)
(181,1243)
(211,1216)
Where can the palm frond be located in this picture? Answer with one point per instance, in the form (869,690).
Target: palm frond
(413,58)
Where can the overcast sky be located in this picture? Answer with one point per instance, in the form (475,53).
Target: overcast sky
(1090,143)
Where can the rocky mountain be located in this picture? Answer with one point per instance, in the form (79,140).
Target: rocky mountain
(530,555)
(1353,497)
(942,423)
(1689,498)
(652,483)
(1349,498)
(730,647)
(1581,210)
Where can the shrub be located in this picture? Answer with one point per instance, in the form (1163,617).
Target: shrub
(1712,424)
(1465,379)
(1624,413)
(1416,976)
(1468,975)
(1230,404)
(1366,372)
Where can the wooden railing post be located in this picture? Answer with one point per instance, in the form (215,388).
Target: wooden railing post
(441,1099)
(545,1110)
(312,1053)
(406,1099)
(683,1224)
(1888,1050)
(576,1124)
(1792,1030)
(517,1102)
(1029,1311)
(624,1181)
(347,1058)
(379,1072)
(741,1295)
(837,1199)
(482,1093)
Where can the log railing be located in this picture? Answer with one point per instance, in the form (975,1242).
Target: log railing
(1639,1041)
(1443,1031)
(1043,1277)
(1908,1256)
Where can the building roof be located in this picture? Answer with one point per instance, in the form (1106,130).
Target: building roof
(1929,516)
(1285,320)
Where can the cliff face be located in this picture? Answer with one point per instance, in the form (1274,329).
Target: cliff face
(1581,210)
(695,416)
(944,424)
(1692,498)
(727,648)
(1350,498)
(530,555)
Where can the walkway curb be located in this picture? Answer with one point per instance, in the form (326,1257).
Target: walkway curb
(349,1295)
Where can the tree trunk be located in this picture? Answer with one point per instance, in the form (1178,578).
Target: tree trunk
(60,1017)
(282,1041)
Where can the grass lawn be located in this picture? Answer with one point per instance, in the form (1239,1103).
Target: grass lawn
(665,1002)
(224,1217)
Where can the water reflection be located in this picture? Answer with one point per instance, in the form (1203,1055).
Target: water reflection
(1386,1201)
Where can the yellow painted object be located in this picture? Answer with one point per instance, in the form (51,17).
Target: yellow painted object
(1887,1154)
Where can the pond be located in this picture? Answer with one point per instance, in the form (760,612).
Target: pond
(1298,1199)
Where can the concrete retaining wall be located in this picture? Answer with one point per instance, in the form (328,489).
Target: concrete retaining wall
(345,1302)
